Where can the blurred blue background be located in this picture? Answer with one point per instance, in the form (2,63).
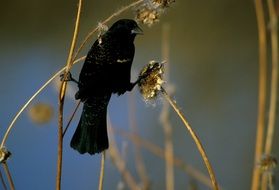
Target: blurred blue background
(213,67)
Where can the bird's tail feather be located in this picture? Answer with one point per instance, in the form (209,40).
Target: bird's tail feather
(91,134)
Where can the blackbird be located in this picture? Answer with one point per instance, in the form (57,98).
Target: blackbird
(106,71)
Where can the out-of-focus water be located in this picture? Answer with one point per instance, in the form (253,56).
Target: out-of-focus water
(213,66)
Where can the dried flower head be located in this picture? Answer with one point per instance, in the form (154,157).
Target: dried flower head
(147,15)
(149,12)
(151,80)
(40,113)
(267,163)
(163,3)
(4,155)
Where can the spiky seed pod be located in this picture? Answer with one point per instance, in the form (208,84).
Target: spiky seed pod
(4,155)
(151,80)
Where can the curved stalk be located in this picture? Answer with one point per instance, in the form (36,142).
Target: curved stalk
(195,138)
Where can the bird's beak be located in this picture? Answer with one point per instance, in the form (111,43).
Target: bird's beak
(137,30)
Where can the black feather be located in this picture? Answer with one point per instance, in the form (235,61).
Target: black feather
(106,70)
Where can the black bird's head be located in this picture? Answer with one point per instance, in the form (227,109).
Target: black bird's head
(125,29)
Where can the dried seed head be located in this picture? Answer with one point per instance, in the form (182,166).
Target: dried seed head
(267,163)
(151,80)
(40,113)
(163,3)
(4,155)
(147,15)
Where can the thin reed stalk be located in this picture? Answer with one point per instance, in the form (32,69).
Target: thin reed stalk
(164,117)
(139,163)
(274,77)
(102,171)
(273,89)
(3,181)
(261,91)
(62,98)
(195,138)
(71,118)
(9,176)
(119,162)
(270,181)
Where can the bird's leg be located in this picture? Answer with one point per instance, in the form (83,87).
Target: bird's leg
(68,77)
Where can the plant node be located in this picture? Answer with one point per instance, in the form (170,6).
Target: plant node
(4,154)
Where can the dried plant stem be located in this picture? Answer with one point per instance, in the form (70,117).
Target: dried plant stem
(156,150)
(70,56)
(3,181)
(119,162)
(61,101)
(195,138)
(71,118)
(9,176)
(270,181)
(274,77)
(267,181)
(102,171)
(31,99)
(262,91)
(264,181)
(140,167)
(60,144)
(90,34)
(274,88)
(164,117)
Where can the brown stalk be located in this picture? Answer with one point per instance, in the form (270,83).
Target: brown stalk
(164,117)
(71,118)
(3,181)
(61,100)
(274,87)
(102,171)
(195,138)
(9,176)
(140,166)
(262,92)
(274,77)
(120,163)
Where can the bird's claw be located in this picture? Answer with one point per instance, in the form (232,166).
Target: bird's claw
(68,77)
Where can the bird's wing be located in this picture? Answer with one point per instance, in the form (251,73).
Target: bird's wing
(94,75)
(106,67)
